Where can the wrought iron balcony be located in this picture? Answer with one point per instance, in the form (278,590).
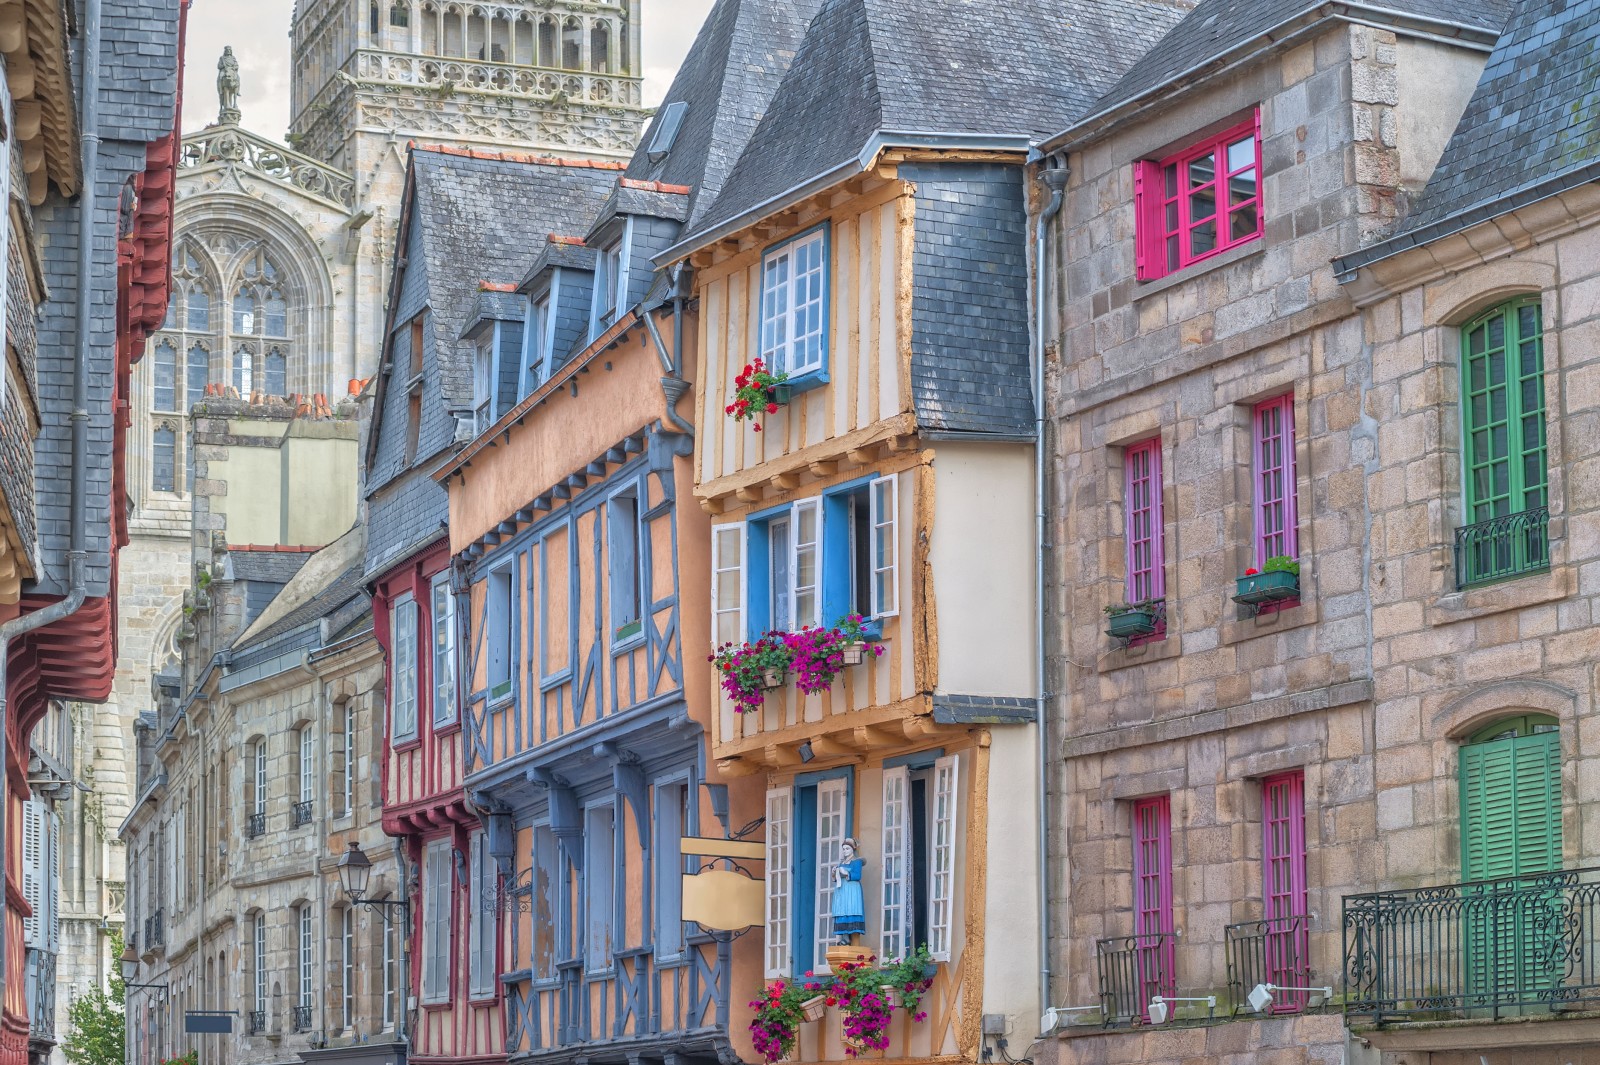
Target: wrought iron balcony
(255,825)
(258,1021)
(302,1018)
(1502,547)
(1275,951)
(1133,970)
(1484,950)
(154,935)
(302,813)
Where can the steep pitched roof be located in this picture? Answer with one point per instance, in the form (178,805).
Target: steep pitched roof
(726,81)
(932,67)
(481,216)
(1217,29)
(1531,129)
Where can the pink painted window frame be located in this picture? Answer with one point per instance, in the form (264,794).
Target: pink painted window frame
(1146,548)
(1156,225)
(1283,887)
(1277,512)
(1155,947)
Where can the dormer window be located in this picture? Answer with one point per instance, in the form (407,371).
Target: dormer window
(534,342)
(483,384)
(1199,202)
(607,271)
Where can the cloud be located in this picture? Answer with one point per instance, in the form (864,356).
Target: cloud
(258,30)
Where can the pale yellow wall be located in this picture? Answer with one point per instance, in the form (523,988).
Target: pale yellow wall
(1011,903)
(312,462)
(982,565)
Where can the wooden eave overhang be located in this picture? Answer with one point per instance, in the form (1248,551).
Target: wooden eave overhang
(33,39)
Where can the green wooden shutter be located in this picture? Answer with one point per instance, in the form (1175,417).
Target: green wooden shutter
(1502,400)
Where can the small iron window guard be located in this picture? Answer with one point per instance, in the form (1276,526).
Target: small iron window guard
(1507,546)
(1275,951)
(302,813)
(1134,970)
(258,1021)
(302,1018)
(256,825)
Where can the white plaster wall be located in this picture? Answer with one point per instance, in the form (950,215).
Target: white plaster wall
(1011,917)
(1435,82)
(981,557)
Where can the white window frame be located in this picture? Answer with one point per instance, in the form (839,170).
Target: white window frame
(308,763)
(833,805)
(347,967)
(610,277)
(307,957)
(883,494)
(895,926)
(945,825)
(480,919)
(403,667)
(445,700)
(437,876)
(625,537)
(535,319)
(484,373)
(780,882)
(260,754)
(391,986)
(801,550)
(778,315)
(349,795)
(726,539)
(259,962)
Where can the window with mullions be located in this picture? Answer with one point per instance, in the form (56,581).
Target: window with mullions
(920,801)
(501,600)
(403,669)
(624,570)
(164,459)
(444,652)
(1199,202)
(1504,457)
(436,921)
(806,828)
(794,318)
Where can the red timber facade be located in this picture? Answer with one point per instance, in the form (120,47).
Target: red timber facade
(60,544)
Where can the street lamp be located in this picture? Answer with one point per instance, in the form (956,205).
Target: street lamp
(129,963)
(355,869)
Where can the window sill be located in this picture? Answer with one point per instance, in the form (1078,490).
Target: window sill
(410,743)
(435,1007)
(555,680)
(1143,654)
(632,641)
(805,382)
(447,727)
(502,701)
(1267,623)
(482,999)
(1530,589)
(1196,269)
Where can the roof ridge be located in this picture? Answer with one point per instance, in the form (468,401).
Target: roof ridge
(518,157)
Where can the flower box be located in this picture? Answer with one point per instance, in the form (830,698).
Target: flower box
(1131,623)
(815,1007)
(774,678)
(854,653)
(1273,586)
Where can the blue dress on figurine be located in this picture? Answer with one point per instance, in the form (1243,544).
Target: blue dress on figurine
(849,909)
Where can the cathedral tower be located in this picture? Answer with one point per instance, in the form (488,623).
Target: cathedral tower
(556,76)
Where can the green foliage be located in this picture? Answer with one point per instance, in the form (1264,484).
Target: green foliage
(94,1020)
(1281,564)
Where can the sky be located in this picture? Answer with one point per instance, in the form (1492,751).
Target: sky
(258,30)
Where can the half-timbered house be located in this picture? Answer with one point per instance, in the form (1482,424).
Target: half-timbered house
(889,476)
(585,713)
(466,221)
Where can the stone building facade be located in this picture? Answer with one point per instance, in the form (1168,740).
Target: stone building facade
(1269,796)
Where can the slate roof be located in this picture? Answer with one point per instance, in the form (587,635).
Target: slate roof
(727,79)
(558,253)
(491,306)
(479,217)
(271,567)
(345,590)
(932,67)
(1531,129)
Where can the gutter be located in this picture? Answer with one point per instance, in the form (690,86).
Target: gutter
(1284,33)
(1055,179)
(876,144)
(77,552)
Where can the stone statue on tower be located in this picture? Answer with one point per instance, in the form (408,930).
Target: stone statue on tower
(228,86)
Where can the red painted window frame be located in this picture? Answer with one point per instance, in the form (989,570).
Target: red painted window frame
(1155,947)
(1283,887)
(1154,227)
(1276,504)
(1143,533)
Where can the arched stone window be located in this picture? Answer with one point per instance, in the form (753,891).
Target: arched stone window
(275,374)
(164,458)
(600,48)
(164,396)
(572,45)
(243,379)
(549,33)
(197,373)
(1510,773)
(399,15)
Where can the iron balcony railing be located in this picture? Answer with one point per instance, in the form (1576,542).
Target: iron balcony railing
(1133,970)
(302,813)
(256,825)
(1502,547)
(154,934)
(1275,951)
(302,1018)
(1488,949)
(258,1021)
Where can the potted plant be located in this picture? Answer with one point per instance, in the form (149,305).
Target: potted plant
(816,655)
(864,1011)
(779,1011)
(910,978)
(1277,579)
(859,638)
(757,390)
(1127,620)
(750,670)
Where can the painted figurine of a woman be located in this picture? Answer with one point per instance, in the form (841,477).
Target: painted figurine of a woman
(849,909)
